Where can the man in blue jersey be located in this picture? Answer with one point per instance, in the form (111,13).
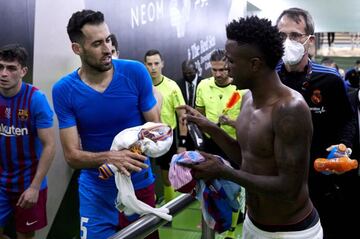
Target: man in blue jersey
(27,146)
(325,94)
(93,104)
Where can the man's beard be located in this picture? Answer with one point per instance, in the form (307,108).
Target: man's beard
(220,80)
(103,68)
(98,66)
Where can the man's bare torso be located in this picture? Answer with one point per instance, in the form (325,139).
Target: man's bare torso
(256,136)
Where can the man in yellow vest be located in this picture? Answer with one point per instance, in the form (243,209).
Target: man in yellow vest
(171,98)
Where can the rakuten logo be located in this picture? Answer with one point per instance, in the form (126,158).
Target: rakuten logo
(12,131)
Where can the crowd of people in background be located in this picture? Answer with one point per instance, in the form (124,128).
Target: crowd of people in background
(291,109)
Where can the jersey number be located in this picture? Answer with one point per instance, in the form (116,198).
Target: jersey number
(83,228)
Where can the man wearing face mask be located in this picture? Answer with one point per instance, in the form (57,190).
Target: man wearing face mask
(325,94)
(188,85)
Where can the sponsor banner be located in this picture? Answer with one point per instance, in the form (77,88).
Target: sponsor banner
(179,29)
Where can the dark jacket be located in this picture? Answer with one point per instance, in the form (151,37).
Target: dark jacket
(354,100)
(182,86)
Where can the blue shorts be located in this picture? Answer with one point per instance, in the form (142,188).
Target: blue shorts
(99,218)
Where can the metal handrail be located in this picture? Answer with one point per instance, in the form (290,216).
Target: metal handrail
(150,222)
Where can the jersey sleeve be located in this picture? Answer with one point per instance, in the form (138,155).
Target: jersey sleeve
(147,99)
(178,98)
(42,111)
(62,105)
(199,100)
(341,109)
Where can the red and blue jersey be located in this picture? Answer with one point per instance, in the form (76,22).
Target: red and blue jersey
(20,147)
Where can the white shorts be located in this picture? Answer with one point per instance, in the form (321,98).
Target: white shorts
(250,231)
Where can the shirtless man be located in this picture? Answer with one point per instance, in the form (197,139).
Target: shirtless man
(274,133)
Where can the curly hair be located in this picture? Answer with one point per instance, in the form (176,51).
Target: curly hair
(260,34)
(79,19)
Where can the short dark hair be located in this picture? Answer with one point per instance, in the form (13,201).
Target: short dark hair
(260,34)
(327,60)
(114,41)
(294,14)
(151,53)
(188,63)
(218,55)
(14,52)
(79,19)
(357,62)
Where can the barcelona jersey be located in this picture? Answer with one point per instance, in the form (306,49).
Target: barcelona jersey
(20,148)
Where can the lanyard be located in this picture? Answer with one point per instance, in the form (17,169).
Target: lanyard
(306,83)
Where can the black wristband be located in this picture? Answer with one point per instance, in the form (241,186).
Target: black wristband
(182,141)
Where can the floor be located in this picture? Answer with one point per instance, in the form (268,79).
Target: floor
(187,225)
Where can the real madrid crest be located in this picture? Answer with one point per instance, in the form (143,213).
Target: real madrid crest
(316,97)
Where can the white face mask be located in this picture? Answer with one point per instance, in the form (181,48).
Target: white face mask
(293,51)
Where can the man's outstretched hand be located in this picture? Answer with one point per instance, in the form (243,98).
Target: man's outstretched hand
(192,115)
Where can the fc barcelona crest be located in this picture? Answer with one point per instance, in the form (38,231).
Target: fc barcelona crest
(23,115)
